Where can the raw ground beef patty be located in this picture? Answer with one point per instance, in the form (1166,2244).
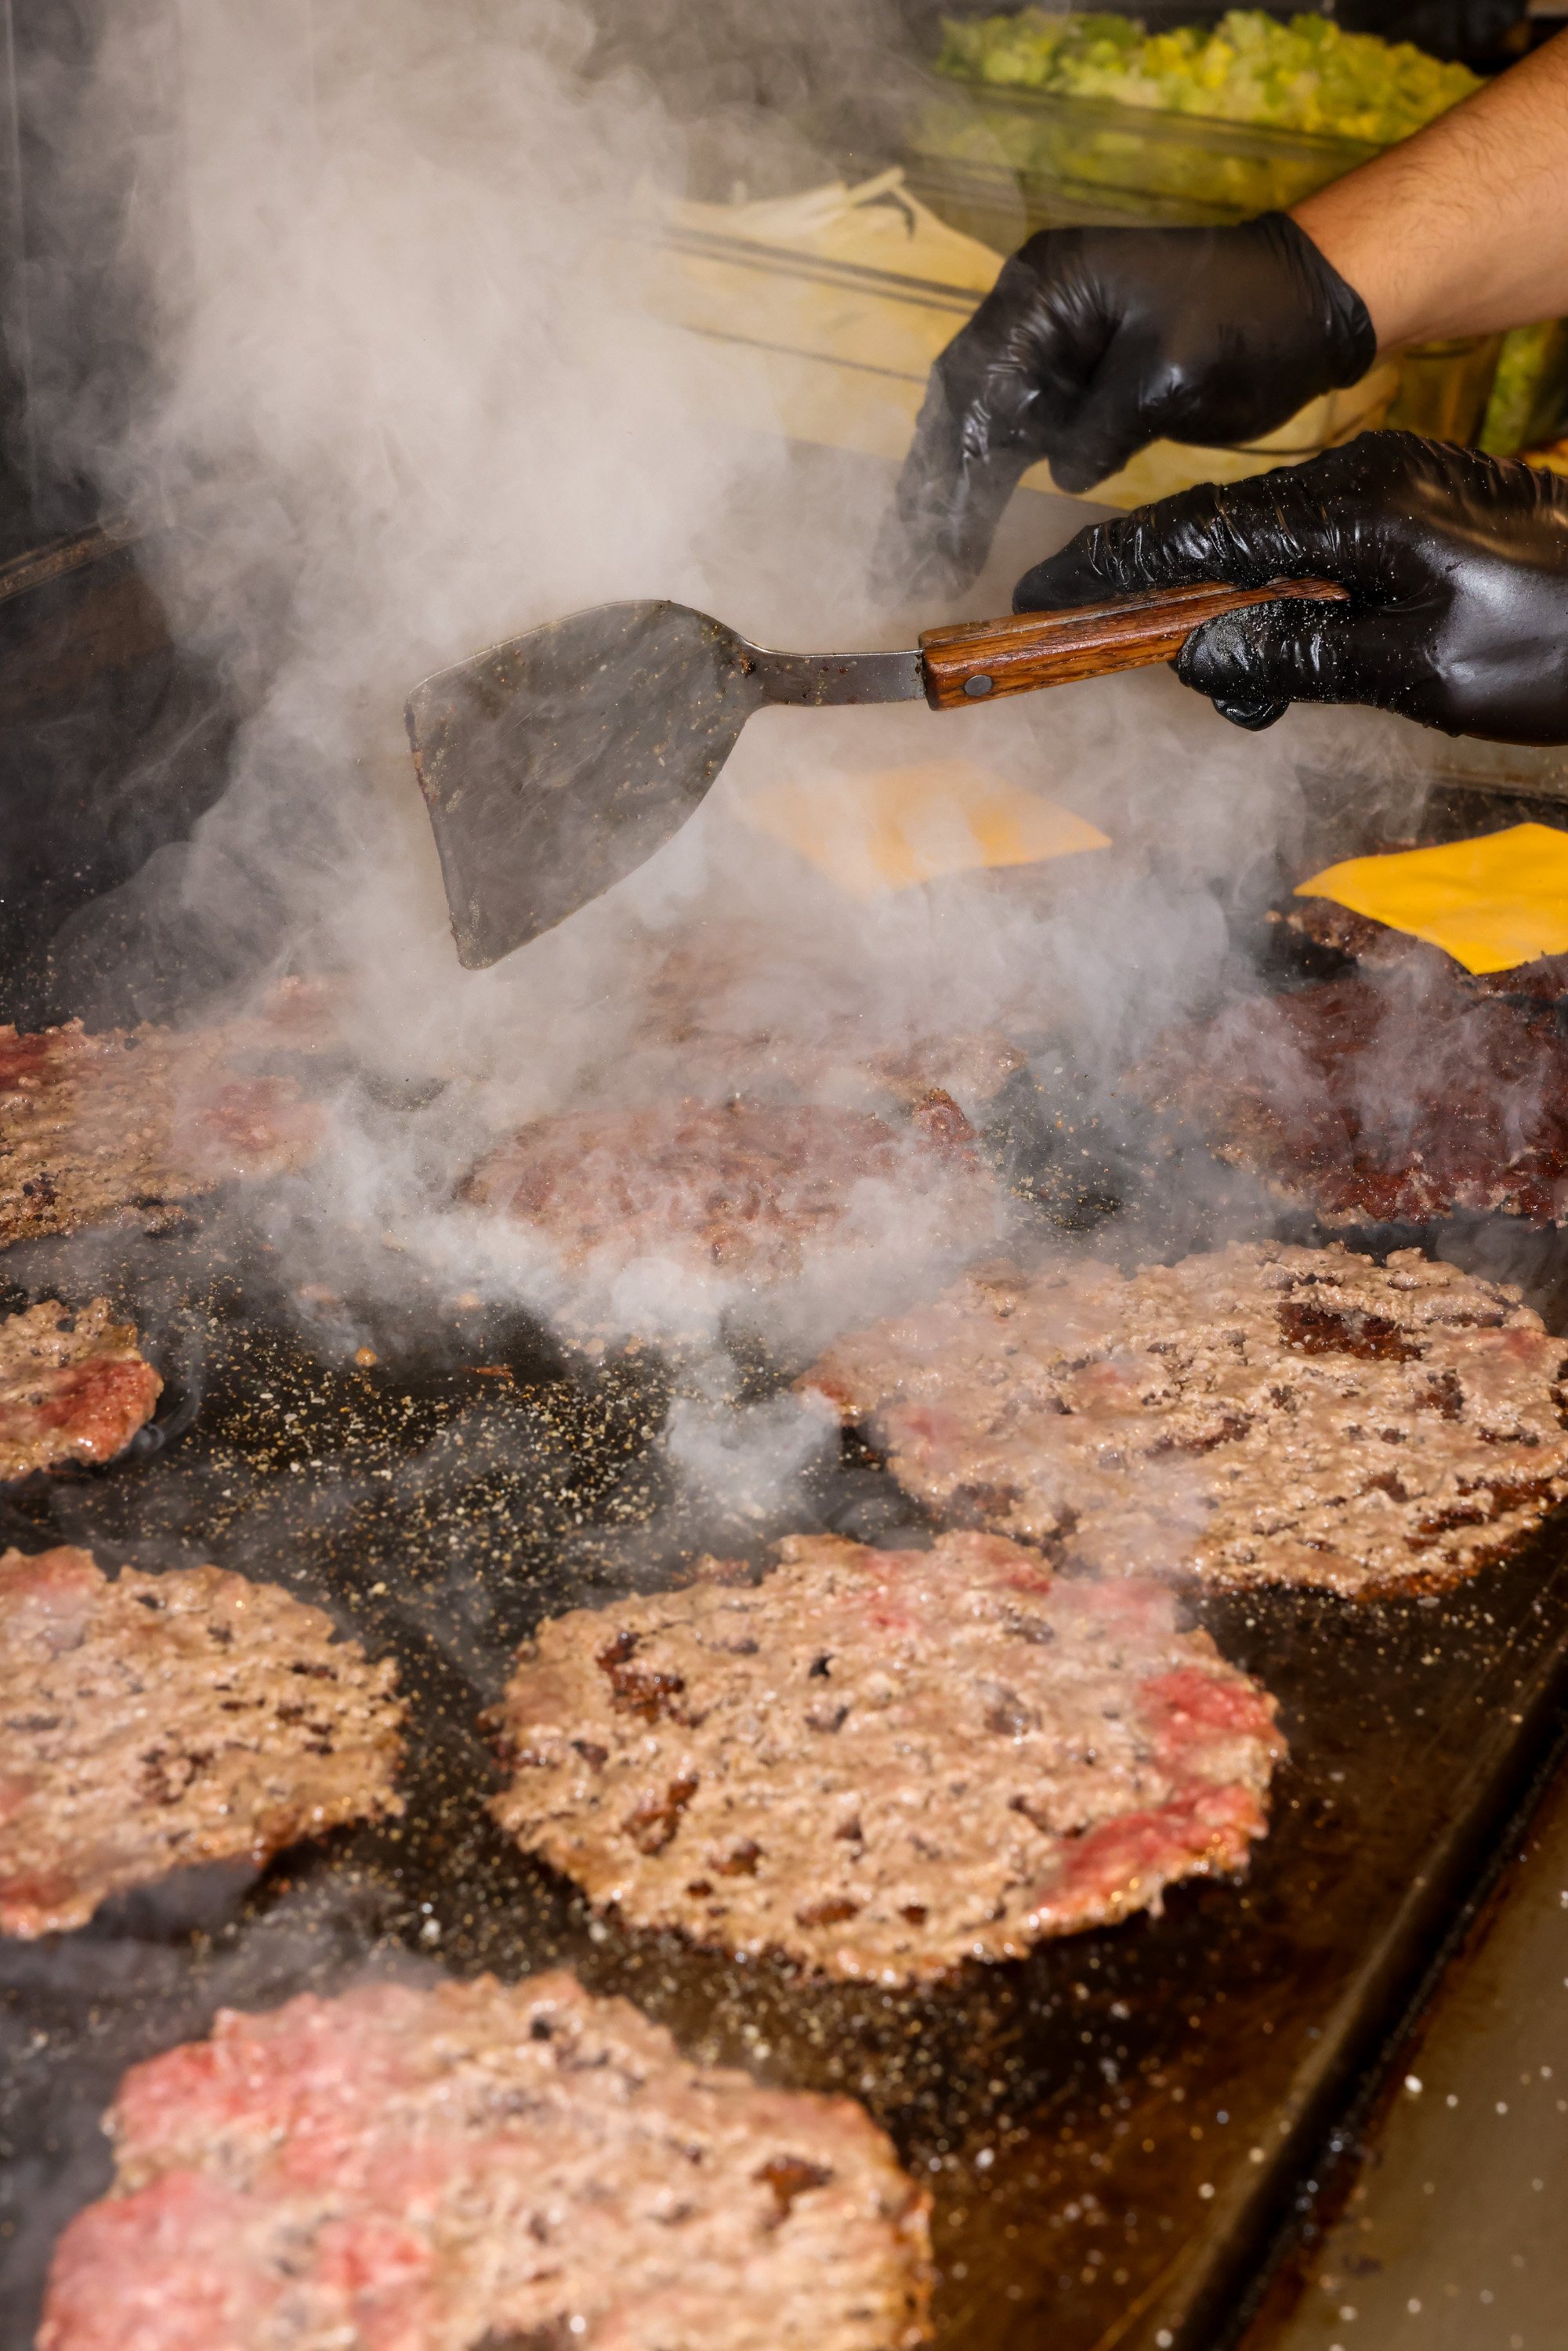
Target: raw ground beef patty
(1259,1415)
(72,1387)
(1390,1094)
(743,1187)
(885,1762)
(510,2167)
(126,1125)
(164,1719)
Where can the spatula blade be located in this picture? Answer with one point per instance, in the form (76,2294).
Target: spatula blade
(556,763)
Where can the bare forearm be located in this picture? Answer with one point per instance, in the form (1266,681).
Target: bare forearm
(1464,228)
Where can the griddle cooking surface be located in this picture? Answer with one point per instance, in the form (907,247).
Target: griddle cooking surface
(1110,2127)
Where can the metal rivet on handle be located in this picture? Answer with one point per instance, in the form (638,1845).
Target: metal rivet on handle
(977,685)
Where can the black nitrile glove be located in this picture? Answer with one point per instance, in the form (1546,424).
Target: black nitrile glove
(1094,342)
(1456,566)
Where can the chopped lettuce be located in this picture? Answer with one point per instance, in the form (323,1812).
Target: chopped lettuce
(1308,75)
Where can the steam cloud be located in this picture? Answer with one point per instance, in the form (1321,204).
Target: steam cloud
(397,408)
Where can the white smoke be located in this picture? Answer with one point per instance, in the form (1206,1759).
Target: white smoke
(395,409)
(746,1458)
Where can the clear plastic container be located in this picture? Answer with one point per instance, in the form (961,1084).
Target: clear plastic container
(1444,387)
(1530,390)
(1072,159)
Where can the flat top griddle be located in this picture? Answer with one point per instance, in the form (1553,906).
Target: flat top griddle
(1114,2129)
(1071,2110)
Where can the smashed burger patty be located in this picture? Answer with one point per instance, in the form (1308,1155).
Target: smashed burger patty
(750,1007)
(744,1187)
(1256,1415)
(1389,1095)
(483,2164)
(72,1386)
(1378,946)
(126,1125)
(164,1719)
(885,1762)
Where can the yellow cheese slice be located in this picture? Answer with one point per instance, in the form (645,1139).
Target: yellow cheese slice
(1491,903)
(896,827)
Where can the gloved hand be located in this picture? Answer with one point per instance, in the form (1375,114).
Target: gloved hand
(1456,566)
(1094,341)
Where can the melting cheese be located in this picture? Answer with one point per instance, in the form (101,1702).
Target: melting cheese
(897,826)
(1491,903)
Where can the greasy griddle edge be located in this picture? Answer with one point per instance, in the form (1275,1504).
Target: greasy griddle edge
(1275,2289)
(1212,2292)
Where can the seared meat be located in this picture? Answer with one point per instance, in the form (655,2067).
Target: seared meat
(1365,941)
(164,1719)
(748,1188)
(475,2164)
(885,1762)
(738,1008)
(1393,1096)
(1544,981)
(72,1387)
(125,1126)
(972,1069)
(839,1066)
(1256,1415)
(1377,946)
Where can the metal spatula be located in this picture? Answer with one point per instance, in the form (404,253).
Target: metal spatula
(561,761)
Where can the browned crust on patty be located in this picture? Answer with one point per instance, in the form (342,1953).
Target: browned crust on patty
(479,2162)
(1392,1097)
(1254,1414)
(73,1386)
(1378,946)
(885,1762)
(160,1720)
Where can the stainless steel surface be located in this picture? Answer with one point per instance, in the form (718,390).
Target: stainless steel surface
(816,680)
(1454,2238)
(1514,771)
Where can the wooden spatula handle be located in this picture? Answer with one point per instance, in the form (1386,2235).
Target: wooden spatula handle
(976,660)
